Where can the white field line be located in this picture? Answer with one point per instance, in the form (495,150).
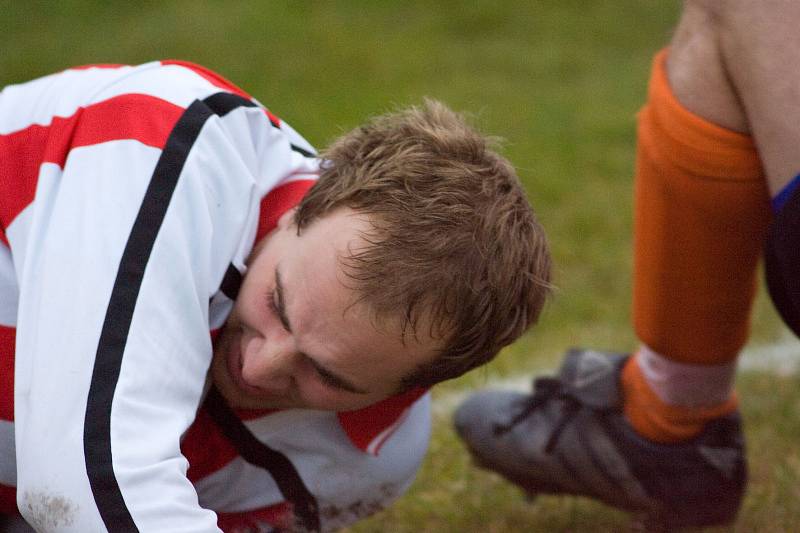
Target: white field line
(781,357)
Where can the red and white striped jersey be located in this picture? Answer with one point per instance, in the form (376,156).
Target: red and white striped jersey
(130,198)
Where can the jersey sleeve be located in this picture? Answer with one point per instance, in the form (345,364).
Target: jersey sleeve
(128,240)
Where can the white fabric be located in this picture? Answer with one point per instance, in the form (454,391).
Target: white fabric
(8,288)
(8,472)
(686,385)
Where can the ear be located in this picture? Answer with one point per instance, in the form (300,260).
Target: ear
(287,218)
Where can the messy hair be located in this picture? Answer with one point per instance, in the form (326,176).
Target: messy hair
(454,240)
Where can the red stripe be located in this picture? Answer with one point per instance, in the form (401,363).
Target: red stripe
(385,438)
(364,425)
(219,81)
(206,448)
(7,339)
(209,75)
(8,500)
(278,516)
(146,119)
(273,119)
(277,202)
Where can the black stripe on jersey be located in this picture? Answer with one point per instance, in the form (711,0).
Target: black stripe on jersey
(302,151)
(121,306)
(114,335)
(231,282)
(224,103)
(255,452)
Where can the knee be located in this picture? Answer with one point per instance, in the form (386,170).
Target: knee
(727,21)
(712,8)
(694,47)
(696,68)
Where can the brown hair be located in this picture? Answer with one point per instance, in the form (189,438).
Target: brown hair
(455,239)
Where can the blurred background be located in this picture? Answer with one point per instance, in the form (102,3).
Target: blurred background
(560,81)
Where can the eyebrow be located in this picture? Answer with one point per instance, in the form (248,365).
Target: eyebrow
(329,376)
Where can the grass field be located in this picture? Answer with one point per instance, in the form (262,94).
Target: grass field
(561,81)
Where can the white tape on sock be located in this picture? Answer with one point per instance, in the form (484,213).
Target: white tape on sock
(685,384)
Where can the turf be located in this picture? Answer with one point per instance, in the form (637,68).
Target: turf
(561,81)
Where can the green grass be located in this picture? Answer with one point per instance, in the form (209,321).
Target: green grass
(561,81)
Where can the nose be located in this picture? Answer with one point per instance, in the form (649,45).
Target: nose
(268,364)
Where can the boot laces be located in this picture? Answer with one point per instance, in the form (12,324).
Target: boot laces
(545,389)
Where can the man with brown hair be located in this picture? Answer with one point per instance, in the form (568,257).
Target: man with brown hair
(143,207)
(434,243)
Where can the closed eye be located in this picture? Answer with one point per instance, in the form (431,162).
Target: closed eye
(277,303)
(271,305)
(332,380)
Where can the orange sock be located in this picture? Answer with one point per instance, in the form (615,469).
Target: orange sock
(702,210)
(661,422)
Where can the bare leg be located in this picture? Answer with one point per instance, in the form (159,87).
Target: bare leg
(737,64)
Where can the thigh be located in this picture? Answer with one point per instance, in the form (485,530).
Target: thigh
(737,64)
(697,72)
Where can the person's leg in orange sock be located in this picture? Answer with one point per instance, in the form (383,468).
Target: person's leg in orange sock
(702,207)
(658,432)
(702,210)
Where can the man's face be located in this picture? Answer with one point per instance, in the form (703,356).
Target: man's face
(298,337)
